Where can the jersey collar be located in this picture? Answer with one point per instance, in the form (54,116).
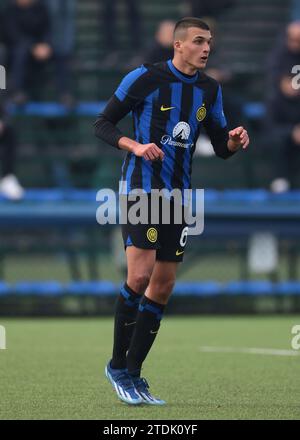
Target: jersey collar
(179,75)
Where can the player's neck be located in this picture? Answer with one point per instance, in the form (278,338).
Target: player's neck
(183,67)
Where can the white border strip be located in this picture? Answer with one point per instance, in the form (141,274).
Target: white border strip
(263,351)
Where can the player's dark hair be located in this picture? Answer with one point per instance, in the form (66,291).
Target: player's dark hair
(187,22)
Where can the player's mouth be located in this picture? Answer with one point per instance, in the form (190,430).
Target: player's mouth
(204,58)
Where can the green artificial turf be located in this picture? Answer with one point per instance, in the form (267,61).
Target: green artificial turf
(54,369)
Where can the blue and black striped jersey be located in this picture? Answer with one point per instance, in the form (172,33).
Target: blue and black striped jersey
(169,109)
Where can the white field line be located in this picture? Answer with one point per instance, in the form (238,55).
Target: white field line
(263,351)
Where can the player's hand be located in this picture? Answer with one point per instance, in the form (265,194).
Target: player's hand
(149,152)
(238,138)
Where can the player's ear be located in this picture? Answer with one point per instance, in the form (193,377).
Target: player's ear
(177,45)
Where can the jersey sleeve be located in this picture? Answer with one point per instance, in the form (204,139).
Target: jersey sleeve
(128,95)
(131,89)
(216,127)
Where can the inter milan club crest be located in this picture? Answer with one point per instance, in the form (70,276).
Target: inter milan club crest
(152,235)
(201,113)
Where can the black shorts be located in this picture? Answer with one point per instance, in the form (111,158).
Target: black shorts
(168,239)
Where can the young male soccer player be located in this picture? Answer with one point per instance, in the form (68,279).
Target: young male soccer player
(170,102)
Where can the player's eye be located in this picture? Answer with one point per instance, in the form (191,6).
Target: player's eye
(199,42)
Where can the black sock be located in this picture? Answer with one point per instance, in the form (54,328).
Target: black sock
(125,317)
(147,325)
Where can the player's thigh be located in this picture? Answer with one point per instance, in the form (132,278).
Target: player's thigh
(140,265)
(173,240)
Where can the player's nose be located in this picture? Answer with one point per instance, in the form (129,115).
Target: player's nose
(206,49)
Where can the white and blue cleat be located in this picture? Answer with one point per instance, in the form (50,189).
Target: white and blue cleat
(142,389)
(123,385)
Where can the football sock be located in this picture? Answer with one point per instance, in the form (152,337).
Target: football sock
(146,328)
(125,318)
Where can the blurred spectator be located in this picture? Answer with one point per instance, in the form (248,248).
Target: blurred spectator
(26,33)
(62,15)
(9,184)
(285,55)
(162,47)
(110,30)
(284,120)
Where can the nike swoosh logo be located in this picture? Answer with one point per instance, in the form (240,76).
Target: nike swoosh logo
(152,332)
(179,253)
(129,323)
(164,109)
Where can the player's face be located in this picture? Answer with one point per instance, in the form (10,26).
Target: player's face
(195,47)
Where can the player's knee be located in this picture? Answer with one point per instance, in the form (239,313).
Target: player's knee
(139,282)
(162,290)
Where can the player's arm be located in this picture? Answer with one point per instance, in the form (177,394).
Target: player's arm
(126,97)
(225,143)
(106,123)
(147,151)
